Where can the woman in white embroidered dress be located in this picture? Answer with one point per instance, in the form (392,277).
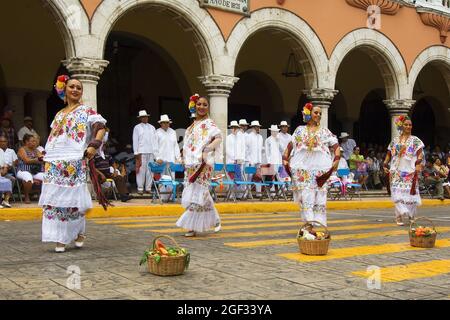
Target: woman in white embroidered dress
(76,134)
(201,139)
(308,156)
(404,157)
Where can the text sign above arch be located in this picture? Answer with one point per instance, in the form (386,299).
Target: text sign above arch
(236,6)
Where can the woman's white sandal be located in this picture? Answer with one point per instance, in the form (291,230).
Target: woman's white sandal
(79,244)
(60,249)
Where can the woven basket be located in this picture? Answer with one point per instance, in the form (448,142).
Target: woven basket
(313,247)
(421,242)
(168,265)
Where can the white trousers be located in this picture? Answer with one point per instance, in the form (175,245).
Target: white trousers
(145,176)
(28,177)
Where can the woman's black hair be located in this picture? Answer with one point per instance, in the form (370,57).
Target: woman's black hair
(27,137)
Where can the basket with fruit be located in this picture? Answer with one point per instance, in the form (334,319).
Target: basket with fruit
(166,261)
(312,242)
(420,236)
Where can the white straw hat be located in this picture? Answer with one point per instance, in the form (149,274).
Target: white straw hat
(284,123)
(164,118)
(274,127)
(255,123)
(234,123)
(344,135)
(243,122)
(143,113)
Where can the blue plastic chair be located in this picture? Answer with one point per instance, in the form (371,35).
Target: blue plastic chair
(352,188)
(264,186)
(160,169)
(219,168)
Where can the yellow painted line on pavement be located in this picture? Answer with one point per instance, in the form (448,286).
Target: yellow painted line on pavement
(410,271)
(339,237)
(342,253)
(130,210)
(292,232)
(224,217)
(236,227)
(173,220)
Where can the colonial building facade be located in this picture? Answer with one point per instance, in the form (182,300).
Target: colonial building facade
(363,61)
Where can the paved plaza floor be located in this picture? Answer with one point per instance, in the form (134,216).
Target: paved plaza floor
(254,257)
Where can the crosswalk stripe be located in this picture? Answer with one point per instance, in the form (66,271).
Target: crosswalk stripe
(339,237)
(173,220)
(341,253)
(410,271)
(225,217)
(292,232)
(233,227)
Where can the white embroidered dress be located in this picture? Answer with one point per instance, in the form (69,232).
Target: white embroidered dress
(200,214)
(65,197)
(311,157)
(402,168)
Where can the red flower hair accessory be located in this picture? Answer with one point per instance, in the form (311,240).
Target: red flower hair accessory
(192,102)
(60,85)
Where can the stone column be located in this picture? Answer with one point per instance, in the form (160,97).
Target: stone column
(39,113)
(16,100)
(322,98)
(397,108)
(88,71)
(218,88)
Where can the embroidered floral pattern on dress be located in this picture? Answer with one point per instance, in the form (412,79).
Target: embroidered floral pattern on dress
(73,125)
(197,134)
(306,179)
(62,214)
(66,173)
(313,141)
(203,178)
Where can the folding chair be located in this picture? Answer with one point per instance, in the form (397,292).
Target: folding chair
(424,189)
(264,186)
(219,168)
(351,188)
(276,182)
(173,169)
(110,186)
(16,186)
(159,169)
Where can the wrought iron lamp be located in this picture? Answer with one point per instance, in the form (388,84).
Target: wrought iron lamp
(292,70)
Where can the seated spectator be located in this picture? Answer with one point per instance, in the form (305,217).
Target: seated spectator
(5,184)
(7,131)
(127,157)
(108,169)
(358,166)
(26,129)
(432,178)
(342,162)
(30,165)
(374,166)
(442,170)
(38,143)
(10,158)
(437,153)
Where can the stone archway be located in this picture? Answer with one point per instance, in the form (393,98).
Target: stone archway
(382,51)
(304,41)
(438,56)
(209,42)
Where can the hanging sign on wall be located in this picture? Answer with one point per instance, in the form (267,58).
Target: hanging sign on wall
(237,6)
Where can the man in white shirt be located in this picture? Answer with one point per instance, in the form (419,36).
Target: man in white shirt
(235,145)
(168,150)
(9,158)
(255,148)
(244,129)
(145,146)
(347,144)
(284,135)
(26,129)
(273,148)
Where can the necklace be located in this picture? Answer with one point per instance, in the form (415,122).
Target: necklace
(311,139)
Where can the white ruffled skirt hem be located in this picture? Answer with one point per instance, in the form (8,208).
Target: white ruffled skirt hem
(66,197)
(62,231)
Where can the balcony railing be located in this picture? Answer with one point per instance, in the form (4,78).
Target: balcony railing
(441,6)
